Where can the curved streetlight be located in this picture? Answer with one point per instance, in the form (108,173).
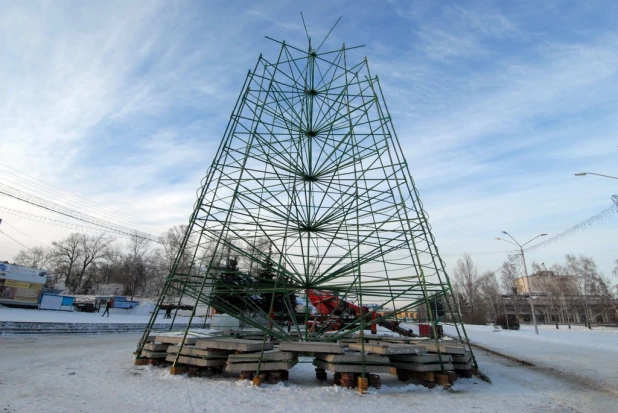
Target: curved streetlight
(523,257)
(592,173)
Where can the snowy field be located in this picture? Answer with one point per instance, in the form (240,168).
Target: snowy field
(84,373)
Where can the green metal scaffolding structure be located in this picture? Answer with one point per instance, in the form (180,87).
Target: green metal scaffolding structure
(309,190)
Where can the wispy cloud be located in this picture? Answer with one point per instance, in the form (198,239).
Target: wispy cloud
(496,105)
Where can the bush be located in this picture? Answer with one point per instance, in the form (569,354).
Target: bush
(475,318)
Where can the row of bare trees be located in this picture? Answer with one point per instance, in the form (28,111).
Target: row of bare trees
(86,264)
(574,287)
(81,263)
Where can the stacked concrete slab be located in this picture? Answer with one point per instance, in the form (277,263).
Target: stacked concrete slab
(271,366)
(408,358)
(155,351)
(347,368)
(423,361)
(213,352)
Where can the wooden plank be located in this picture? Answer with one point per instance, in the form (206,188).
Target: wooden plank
(178,370)
(195,361)
(421,359)
(351,368)
(265,366)
(311,347)
(421,367)
(271,355)
(235,344)
(352,359)
(198,352)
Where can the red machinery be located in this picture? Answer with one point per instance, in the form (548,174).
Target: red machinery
(336,313)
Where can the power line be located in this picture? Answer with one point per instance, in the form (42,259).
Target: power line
(71,213)
(21,232)
(49,221)
(68,198)
(66,201)
(8,236)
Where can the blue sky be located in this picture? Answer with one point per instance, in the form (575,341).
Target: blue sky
(496,104)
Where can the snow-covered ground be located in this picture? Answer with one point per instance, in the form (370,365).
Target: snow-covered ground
(96,374)
(590,356)
(53,373)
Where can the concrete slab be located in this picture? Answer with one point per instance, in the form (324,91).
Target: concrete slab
(195,361)
(198,352)
(346,341)
(154,354)
(311,347)
(174,340)
(351,368)
(235,344)
(421,367)
(462,366)
(271,355)
(388,348)
(463,359)
(265,366)
(156,347)
(445,349)
(353,359)
(421,358)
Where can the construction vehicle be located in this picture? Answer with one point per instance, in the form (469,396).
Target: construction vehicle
(334,313)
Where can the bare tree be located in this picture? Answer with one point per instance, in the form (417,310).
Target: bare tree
(507,278)
(508,275)
(66,253)
(466,279)
(585,270)
(490,292)
(113,259)
(171,243)
(36,257)
(135,264)
(93,248)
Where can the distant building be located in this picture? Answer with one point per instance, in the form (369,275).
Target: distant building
(558,298)
(544,282)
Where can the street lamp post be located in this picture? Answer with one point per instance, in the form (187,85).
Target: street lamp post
(523,258)
(592,173)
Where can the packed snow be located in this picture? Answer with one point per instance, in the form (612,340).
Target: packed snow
(96,374)
(587,355)
(53,373)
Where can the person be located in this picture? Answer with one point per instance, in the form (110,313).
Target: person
(108,305)
(168,312)
(289,325)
